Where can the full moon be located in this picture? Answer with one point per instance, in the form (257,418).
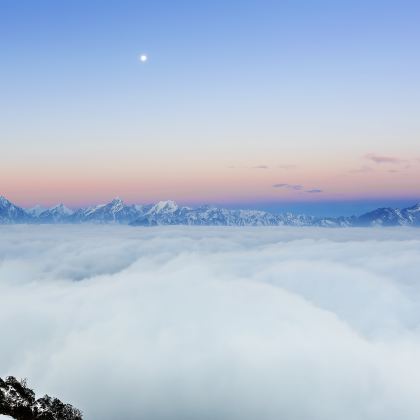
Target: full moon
(143,58)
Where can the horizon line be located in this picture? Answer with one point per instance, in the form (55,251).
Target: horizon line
(246,205)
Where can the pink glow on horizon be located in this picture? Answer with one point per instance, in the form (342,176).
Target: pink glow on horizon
(75,194)
(201,182)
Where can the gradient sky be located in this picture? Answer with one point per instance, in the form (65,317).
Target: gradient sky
(265,103)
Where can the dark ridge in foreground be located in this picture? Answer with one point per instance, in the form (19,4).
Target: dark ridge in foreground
(19,402)
(170,213)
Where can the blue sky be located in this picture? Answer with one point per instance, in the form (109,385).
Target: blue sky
(312,86)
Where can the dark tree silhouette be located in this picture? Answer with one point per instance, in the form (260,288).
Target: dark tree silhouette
(19,402)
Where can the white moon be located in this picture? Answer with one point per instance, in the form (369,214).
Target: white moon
(143,58)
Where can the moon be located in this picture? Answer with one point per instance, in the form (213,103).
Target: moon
(143,58)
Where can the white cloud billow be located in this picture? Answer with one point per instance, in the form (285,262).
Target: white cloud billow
(214,323)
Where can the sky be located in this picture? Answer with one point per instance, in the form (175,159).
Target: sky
(271,104)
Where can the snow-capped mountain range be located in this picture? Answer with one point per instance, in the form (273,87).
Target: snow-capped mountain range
(170,213)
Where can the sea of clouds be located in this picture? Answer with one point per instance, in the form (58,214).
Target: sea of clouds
(214,323)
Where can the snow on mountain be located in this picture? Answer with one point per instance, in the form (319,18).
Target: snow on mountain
(36,210)
(162,213)
(62,209)
(161,207)
(170,213)
(412,214)
(383,217)
(116,211)
(143,208)
(57,214)
(10,213)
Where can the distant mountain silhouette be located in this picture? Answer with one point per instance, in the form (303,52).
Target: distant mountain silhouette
(170,213)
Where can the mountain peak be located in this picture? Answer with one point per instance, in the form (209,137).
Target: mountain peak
(4,201)
(62,209)
(116,203)
(415,208)
(10,213)
(167,206)
(36,210)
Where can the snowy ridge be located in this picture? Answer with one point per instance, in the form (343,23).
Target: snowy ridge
(36,210)
(56,214)
(9,213)
(170,213)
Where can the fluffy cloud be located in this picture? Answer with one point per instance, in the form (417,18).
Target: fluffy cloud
(205,323)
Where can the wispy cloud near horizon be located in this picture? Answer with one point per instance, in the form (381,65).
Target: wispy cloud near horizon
(384,159)
(314,191)
(295,187)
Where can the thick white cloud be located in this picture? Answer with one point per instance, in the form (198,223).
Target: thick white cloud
(214,323)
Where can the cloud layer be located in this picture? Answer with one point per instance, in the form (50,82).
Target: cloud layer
(226,323)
